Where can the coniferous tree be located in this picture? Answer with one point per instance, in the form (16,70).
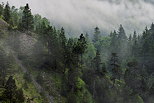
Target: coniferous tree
(116,72)
(96,38)
(10,91)
(14,20)
(80,47)
(104,70)
(63,41)
(1,9)
(6,13)
(135,44)
(97,62)
(122,43)
(26,23)
(145,42)
(114,42)
(121,34)
(96,34)
(133,75)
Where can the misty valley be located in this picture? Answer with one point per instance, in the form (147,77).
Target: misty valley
(42,63)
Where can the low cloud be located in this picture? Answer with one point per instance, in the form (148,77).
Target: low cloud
(83,15)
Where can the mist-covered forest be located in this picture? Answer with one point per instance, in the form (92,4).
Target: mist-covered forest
(40,63)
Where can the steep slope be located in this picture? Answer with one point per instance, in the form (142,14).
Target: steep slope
(32,90)
(3,24)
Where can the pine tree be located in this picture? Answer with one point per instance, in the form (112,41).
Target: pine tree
(69,49)
(96,35)
(116,72)
(6,13)
(26,23)
(121,34)
(145,42)
(130,38)
(83,43)
(97,62)
(122,43)
(114,42)
(1,9)
(103,71)
(14,20)
(10,91)
(134,75)
(63,41)
(135,45)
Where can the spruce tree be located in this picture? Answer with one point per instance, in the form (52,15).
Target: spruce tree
(114,42)
(1,9)
(96,35)
(26,23)
(6,13)
(63,41)
(134,45)
(97,62)
(116,72)
(121,33)
(122,43)
(10,91)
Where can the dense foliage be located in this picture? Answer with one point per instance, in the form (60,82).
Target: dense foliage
(102,69)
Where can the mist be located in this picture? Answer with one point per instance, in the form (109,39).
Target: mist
(78,16)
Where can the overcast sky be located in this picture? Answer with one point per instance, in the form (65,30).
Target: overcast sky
(84,15)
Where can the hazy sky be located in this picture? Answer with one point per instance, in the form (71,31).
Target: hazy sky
(84,15)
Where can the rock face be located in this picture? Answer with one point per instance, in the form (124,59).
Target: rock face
(26,43)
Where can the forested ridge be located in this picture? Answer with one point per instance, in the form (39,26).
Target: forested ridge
(40,64)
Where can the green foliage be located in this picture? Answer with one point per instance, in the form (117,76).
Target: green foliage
(26,23)
(81,95)
(14,20)
(1,9)
(96,35)
(77,70)
(6,13)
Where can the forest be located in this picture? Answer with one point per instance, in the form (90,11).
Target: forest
(40,63)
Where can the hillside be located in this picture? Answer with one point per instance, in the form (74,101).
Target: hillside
(39,64)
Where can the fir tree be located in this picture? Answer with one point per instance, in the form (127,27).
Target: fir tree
(116,72)
(1,9)
(97,62)
(10,91)
(26,23)
(96,35)
(6,13)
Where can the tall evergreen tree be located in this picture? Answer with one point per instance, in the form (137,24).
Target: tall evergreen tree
(6,13)
(135,44)
(145,42)
(10,91)
(96,35)
(62,38)
(114,42)
(62,41)
(26,23)
(122,43)
(116,72)
(97,62)
(121,34)
(1,9)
